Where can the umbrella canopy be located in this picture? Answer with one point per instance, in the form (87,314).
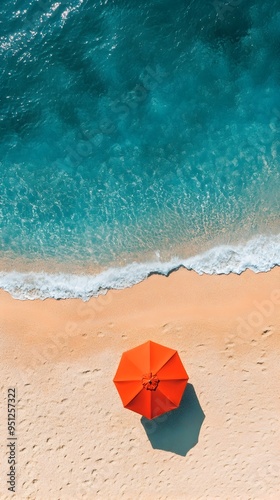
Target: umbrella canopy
(151,379)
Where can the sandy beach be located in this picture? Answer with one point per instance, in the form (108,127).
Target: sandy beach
(74,438)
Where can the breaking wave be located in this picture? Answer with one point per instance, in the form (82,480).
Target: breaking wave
(259,255)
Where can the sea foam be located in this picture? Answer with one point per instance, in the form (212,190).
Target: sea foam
(259,255)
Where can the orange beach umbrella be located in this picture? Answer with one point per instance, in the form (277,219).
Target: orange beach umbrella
(151,379)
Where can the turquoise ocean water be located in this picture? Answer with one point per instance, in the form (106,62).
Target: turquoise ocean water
(136,137)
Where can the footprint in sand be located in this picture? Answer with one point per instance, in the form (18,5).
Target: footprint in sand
(267,332)
(171,328)
(166,328)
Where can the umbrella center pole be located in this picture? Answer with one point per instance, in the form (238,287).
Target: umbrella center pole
(150,382)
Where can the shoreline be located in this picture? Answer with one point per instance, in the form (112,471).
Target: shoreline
(62,355)
(261,254)
(197,245)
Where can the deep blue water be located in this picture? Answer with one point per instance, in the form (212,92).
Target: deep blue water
(131,129)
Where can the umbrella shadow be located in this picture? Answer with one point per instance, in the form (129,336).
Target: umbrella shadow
(178,430)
